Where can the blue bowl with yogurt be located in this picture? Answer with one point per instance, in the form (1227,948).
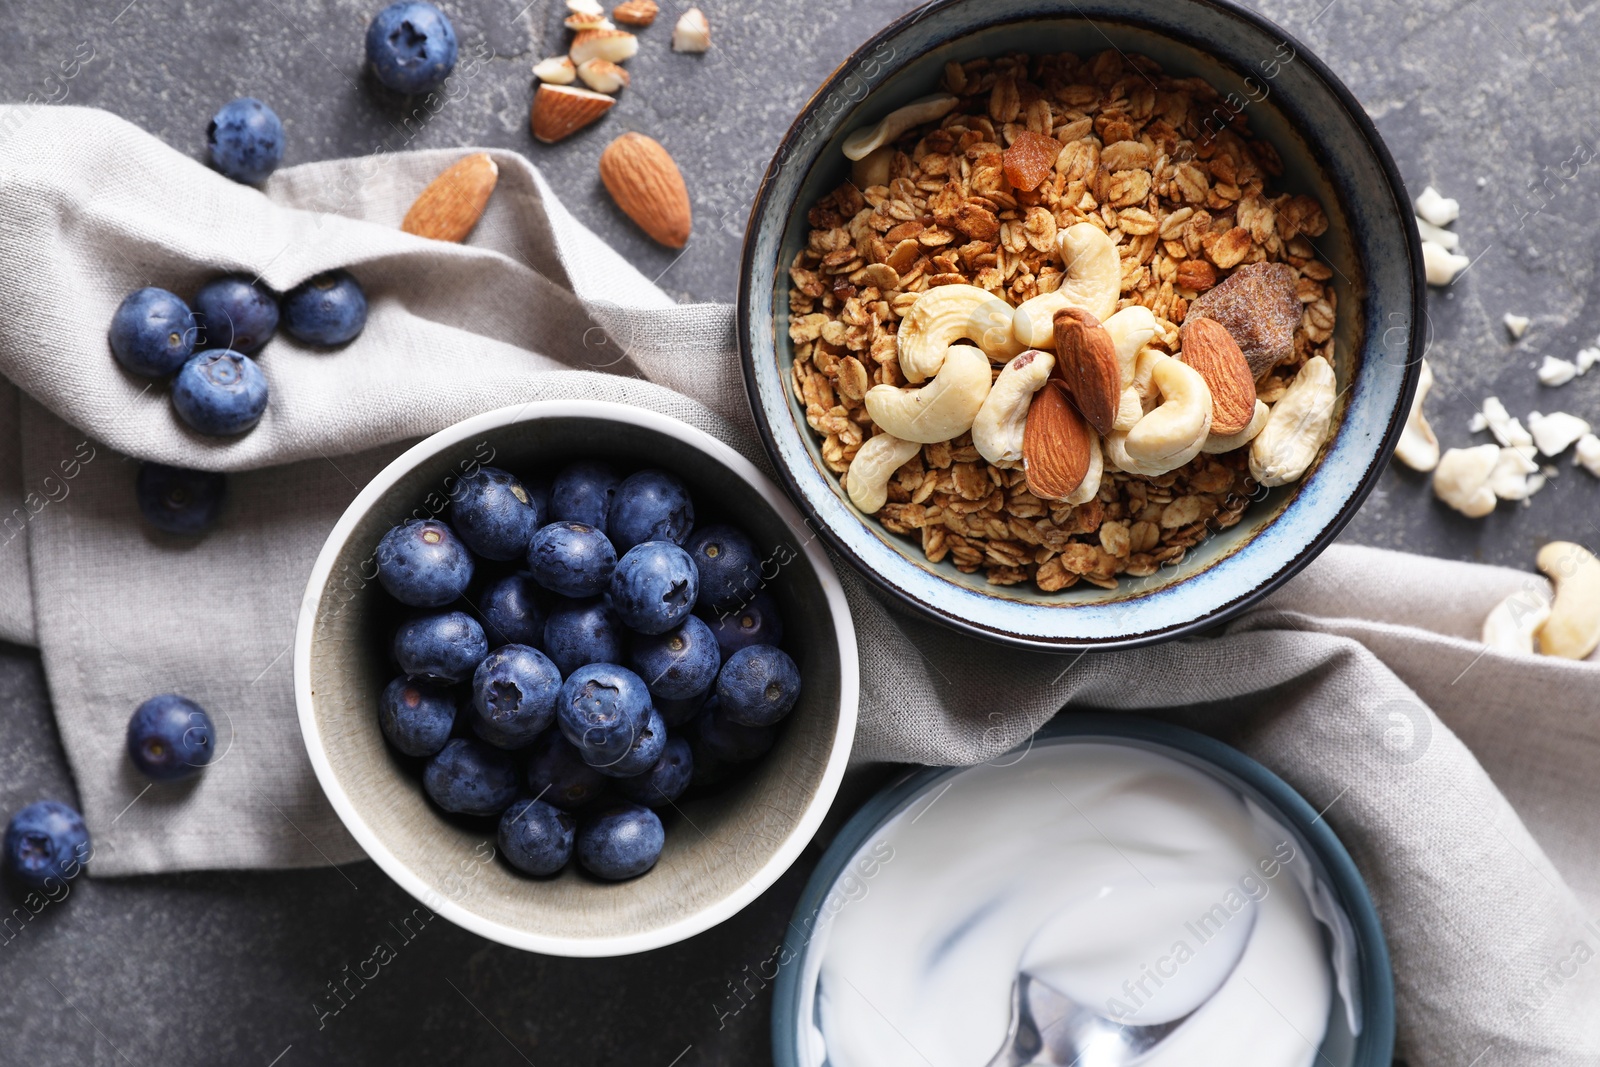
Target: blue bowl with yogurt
(1117,890)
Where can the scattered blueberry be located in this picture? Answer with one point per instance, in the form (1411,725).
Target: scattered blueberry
(571,558)
(665,781)
(650,505)
(471,778)
(329,309)
(494,514)
(731,742)
(411,47)
(46,840)
(558,775)
(729,567)
(444,647)
(416,716)
(580,632)
(153,332)
(758,685)
(179,501)
(757,623)
(676,713)
(535,837)
(423,563)
(602,710)
(171,737)
(582,492)
(654,587)
(513,611)
(679,663)
(246,140)
(514,695)
(622,841)
(234,312)
(646,749)
(220,393)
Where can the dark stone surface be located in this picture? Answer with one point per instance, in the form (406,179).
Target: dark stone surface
(1494,104)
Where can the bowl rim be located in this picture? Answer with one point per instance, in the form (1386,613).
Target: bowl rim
(787,851)
(1416,345)
(1374,970)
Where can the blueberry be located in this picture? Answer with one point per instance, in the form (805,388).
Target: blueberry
(729,567)
(580,632)
(416,716)
(234,312)
(179,501)
(558,775)
(220,393)
(643,753)
(758,685)
(665,781)
(471,778)
(171,737)
(679,663)
(582,492)
(153,332)
(329,309)
(423,563)
(677,712)
(602,710)
(650,505)
(514,695)
(445,646)
(757,623)
(46,840)
(513,611)
(571,558)
(494,514)
(621,841)
(731,742)
(654,587)
(411,47)
(535,837)
(246,140)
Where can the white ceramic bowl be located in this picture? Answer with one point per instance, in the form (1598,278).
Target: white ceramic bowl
(722,850)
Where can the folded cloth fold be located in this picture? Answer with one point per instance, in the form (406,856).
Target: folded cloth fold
(1461,779)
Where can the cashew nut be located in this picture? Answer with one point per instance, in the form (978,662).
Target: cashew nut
(1418,447)
(1090,486)
(942,409)
(997,431)
(1462,479)
(867,480)
(1130,410)
(1092,280)
(1511,624)
(1298,427)
(1258,420)
(1573,629)
(896,122)
(1130,330)
(1172,434)
(949,313)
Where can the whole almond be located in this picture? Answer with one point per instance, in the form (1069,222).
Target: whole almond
(1210,349)
(646,184)
(1086,364)
(452,204)
(1055,444)
(560,110)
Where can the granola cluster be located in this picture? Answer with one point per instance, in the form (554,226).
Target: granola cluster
(1169,170)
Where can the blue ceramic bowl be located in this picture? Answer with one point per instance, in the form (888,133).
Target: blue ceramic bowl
(1329,150)
(1371,981)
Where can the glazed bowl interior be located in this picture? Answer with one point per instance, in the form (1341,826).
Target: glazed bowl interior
(1328,149)
(721,850)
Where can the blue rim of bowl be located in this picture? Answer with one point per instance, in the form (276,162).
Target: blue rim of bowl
(1416,345)
(1375,979)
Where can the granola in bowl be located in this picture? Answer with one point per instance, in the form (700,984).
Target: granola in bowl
(1075,219)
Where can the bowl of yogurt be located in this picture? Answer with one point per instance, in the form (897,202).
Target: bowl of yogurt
(1117,891)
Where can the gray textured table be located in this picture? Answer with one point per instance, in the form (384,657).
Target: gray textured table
(1494,104)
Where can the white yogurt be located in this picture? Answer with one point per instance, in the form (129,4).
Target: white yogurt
(1122,878)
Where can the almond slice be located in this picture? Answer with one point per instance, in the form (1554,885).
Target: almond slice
(561,110)
(1086,364)
(647,185)
(452,204)
(1210,349)
(614,46)
(557,70)
(603,76)
(1056,446)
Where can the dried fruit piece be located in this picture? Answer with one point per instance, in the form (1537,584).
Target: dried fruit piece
(1258,306)
(647,185)
(1056,444)
(636,12)
(603,76)
(561,110)
(1030,160)
(1210,349)
(692,32)
(452,204)
(614,46)
(1087,365)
